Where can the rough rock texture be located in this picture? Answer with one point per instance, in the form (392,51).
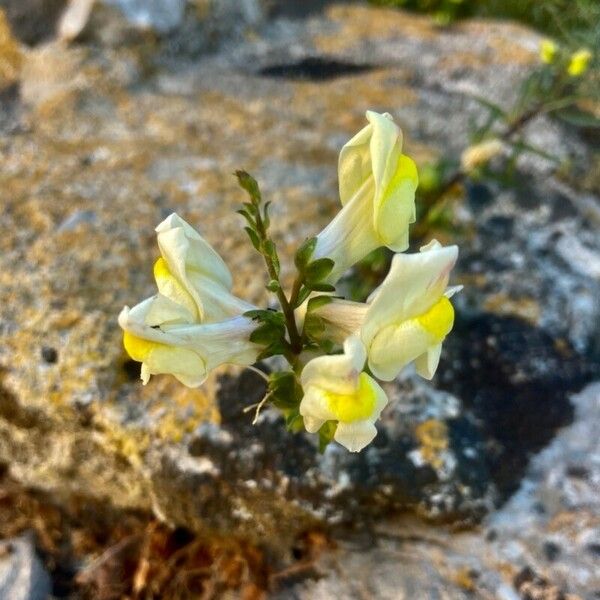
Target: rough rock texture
(544,543)
(22,574)
(101,140)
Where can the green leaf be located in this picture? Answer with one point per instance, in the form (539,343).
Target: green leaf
(272,350)
(285,389)
(321,287)
(253,237)
(314,325)
(326,434)
(294,421)
(266,218)
(304,253)
(271,251)
(318,270)
(303,295)
(248,217)
(248,183)
(251,208)
(266,316)
(273,285)
(267,334)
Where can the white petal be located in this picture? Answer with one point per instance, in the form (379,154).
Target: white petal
(342,318)
(315,408)
(332,373)
(350,236)
(427,364)
(354,165)
(414,283)
(312,424)
(163,310)
(453,289)
(355,436)
(385,148)
(180,243)
(355,350)
(395,346)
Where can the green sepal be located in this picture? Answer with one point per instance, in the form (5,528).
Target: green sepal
(293,420)
(317,270)
(314,326)
(317,302)
(326,434)
(320,287)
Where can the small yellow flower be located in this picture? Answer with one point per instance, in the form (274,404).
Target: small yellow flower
(548,51)
(579,62)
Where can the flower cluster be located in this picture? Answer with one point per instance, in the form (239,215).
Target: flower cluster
(335,347)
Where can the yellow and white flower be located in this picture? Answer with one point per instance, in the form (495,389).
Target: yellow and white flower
(406,319)
(337,389)
(194,323)
(377,186)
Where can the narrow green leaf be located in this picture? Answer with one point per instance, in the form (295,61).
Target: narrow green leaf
(304,253)
(253,237)
(248,183)
(318,270)
(247,216)
(266,334)
(266,218)
(271,251)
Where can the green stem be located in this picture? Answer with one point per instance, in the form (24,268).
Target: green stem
(286,305)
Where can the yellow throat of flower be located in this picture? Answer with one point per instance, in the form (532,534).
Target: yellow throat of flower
(439,319)
(353,407)
(138,348)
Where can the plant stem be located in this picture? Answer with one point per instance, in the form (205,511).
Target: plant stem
(286,305)
(513,127)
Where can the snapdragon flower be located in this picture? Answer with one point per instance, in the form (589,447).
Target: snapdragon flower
(406,319)
(194,323)
(377,186)
(337,389)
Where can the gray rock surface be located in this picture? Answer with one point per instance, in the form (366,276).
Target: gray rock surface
(22,574)
(102,140)
(543,543)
